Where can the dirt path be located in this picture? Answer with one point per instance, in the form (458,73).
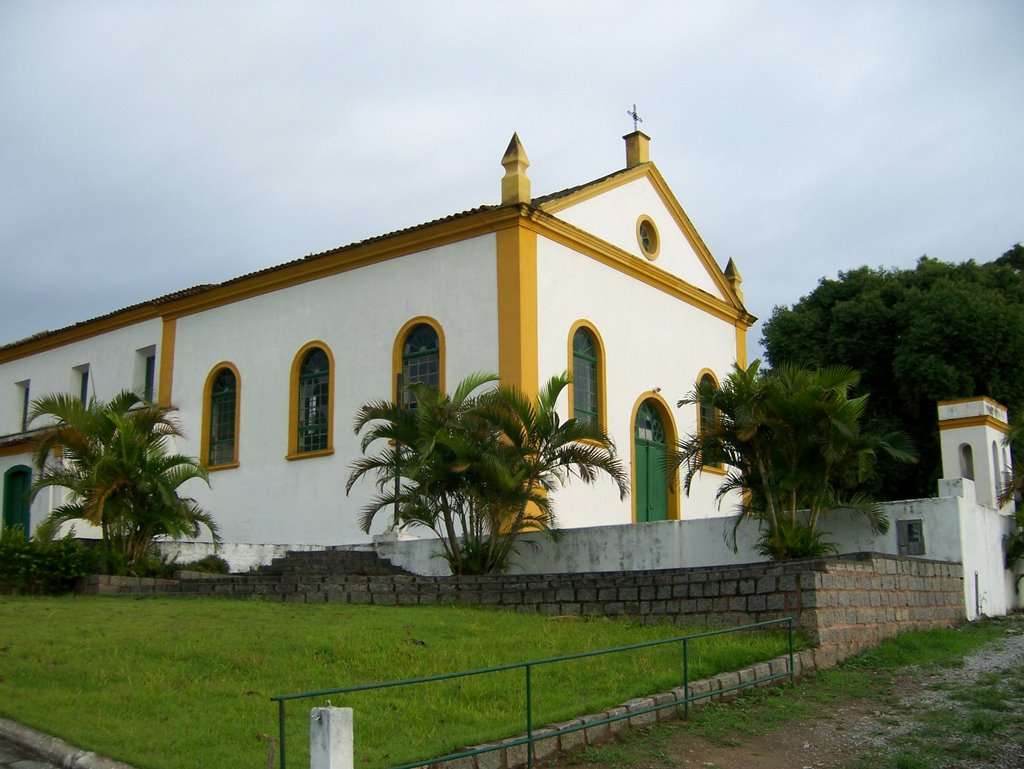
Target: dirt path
(963,718)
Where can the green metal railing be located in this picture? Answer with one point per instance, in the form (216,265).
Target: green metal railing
(528,666)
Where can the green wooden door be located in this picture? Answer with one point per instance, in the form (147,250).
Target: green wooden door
(649,465)
(17,481)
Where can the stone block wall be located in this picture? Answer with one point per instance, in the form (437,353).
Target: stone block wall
(841,604)
(852,603)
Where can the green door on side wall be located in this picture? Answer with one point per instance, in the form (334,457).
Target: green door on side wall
(649,465)
(17,482)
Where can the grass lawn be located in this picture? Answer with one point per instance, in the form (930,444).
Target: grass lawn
(183,683)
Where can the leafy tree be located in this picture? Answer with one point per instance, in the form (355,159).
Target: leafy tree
(477,468)
(115,460)
(791,442)
(937,332)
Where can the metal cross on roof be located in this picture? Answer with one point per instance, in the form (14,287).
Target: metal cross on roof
(636,118)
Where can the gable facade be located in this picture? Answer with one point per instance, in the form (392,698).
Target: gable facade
(266,371)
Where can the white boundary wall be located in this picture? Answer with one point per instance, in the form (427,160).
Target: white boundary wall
(956,526)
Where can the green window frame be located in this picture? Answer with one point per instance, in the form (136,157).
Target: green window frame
(421,360)
(313,422)
(223,415)
(708,417)
(584,377)
(649,427)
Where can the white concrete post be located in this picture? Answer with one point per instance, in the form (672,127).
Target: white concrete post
(330,738)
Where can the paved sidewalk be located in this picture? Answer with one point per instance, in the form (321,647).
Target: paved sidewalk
(16,757)
(22,747)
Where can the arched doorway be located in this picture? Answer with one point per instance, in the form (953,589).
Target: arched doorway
(17,483)
(650,444)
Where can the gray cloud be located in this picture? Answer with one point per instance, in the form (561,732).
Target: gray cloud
(148,147)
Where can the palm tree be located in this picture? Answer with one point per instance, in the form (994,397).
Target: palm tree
(115,460)
(792,444)
(477,469)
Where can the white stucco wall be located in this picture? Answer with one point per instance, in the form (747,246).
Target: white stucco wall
(989,457)
(652,341)
(957,528)
(113,360)
(357,314)
(115,364)
(612,216)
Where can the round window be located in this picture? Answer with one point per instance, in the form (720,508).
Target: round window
(647,237)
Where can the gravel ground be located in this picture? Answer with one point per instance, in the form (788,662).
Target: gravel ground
(869,732)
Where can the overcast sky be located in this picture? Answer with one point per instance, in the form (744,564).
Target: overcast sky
(149,146)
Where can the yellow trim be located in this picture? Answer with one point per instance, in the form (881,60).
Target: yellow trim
(741,345)
(985,398)
(21,447)
(348,258)
(713,469)
(396,352)
(700,377)
(982,421)
(671,441)
(602,399)
(293,404)
(168,334)
(650,171)
(517,307)
(204,439)
(78,332)
(649,255)
(343,259)
(612,256)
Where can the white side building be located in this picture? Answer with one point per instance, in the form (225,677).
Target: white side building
(609,280)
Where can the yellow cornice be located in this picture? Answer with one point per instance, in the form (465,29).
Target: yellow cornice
(348,258)
(589,191)
(601,250)
(20,447)
(980,421)
(79,332)
(443,232)
(651,172)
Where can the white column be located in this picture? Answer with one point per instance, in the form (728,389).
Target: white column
(330,738)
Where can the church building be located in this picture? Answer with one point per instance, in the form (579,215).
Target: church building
(608,280)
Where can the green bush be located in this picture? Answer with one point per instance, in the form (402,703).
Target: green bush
(40,565)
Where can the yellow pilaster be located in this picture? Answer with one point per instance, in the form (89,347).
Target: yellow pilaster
(167,336)
(741,344)
(517,308)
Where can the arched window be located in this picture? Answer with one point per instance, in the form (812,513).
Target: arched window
(966,461)
(706,412)
(707,418)
(421,360)
(586,364)
(584,373)
(312,410)
(17,498)
(418,357)
(221,403)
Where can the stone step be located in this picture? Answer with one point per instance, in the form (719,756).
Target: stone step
(332,561)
